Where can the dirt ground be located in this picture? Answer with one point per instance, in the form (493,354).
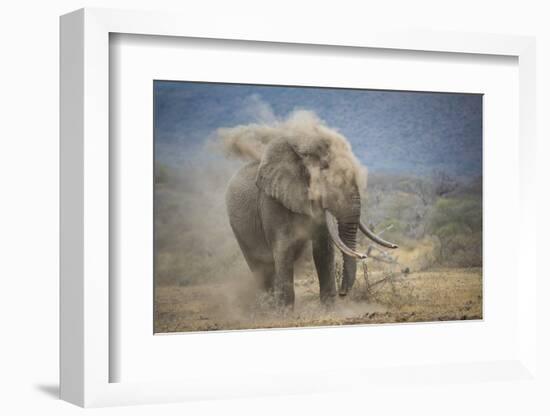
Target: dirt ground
(434,295)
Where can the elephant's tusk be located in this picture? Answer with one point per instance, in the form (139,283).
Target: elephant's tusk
(332,226)
(374,237)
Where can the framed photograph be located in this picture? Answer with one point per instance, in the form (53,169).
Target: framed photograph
(284,213)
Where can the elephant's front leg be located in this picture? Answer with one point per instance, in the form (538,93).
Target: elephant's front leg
(323,256)
(283,287)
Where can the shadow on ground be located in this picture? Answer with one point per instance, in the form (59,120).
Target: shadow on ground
(51,390)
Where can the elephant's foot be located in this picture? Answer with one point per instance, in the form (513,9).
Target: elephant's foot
(284,301)
(285,311)
(328,300)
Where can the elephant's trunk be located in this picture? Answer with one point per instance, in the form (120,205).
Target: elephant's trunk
(348,232)
(333,229)
(343,232)
(347,229)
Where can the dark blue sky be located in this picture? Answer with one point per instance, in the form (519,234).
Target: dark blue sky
(390,131)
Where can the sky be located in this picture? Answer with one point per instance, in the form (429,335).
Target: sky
(390,132)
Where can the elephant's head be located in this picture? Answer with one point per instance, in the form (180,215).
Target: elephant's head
(312,171)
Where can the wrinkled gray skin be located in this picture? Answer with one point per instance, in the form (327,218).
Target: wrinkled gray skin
(273,218)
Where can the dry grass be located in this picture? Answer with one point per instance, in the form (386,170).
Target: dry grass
(435,295)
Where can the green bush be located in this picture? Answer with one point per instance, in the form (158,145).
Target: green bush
(416,210)
(457,222)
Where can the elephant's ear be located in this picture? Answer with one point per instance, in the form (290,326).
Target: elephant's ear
(283,176)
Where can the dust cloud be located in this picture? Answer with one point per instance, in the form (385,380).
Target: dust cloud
(325,152)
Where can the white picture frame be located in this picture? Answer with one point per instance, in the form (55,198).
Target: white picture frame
(85,185)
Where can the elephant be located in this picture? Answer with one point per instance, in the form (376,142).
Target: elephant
(304,186)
